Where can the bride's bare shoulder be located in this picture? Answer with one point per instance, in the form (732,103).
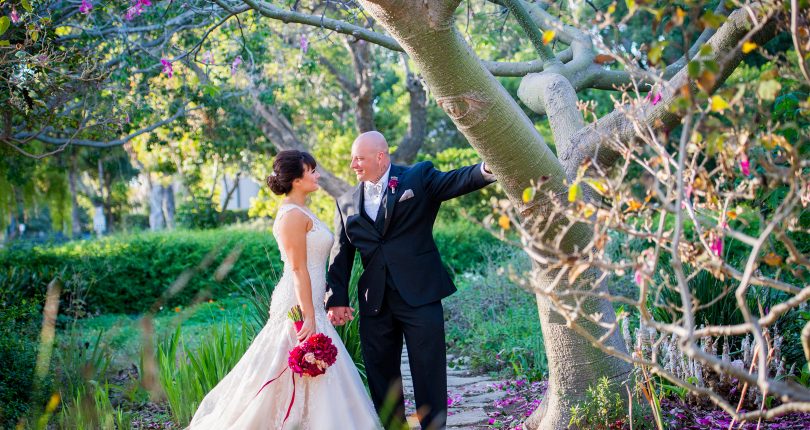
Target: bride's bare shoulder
(293,220)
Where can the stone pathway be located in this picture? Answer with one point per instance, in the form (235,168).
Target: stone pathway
(469,395)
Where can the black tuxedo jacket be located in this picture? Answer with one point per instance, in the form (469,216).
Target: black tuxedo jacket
(398,248)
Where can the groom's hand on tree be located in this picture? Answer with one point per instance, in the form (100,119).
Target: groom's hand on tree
(339,315)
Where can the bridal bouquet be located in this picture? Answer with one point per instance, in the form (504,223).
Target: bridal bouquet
(309,358)
(313,356)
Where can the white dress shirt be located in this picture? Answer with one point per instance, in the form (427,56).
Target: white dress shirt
(372,194)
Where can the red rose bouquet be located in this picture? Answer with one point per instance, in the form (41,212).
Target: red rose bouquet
(309,358)
(313,356)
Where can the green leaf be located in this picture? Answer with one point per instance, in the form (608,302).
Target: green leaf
(34,35)
(4,43)
(712,20)
(655,52)
(27,5)
(706,49)
(693,68)
(768,89)
(5,23)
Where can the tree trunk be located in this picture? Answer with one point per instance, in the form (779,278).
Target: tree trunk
(417,125)
(280,133)
(168,205)
(364,94)
(75,210)
(506,139)
(156,220)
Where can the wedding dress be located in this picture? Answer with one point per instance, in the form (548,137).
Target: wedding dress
(334,400)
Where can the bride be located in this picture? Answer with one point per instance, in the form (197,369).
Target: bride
(334,400)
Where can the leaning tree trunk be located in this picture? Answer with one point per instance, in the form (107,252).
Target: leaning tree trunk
(503,135)
(281,134)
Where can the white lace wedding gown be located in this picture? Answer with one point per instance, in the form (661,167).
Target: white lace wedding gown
(334,400)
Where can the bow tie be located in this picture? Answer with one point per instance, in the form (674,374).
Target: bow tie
(374,189)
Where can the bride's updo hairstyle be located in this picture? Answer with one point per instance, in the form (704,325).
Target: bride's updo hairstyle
(289,166)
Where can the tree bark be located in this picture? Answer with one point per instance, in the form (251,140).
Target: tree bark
(280,133)
(503,135)
(364,96)
(410,145)
(168,205)
(75,210)
(156,220)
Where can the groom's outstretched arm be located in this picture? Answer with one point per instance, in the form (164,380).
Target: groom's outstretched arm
(340,266)
(443,186)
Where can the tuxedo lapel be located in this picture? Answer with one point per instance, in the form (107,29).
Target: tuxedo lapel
(357,203)
(391,197)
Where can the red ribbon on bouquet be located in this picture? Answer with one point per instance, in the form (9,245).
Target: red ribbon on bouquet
(292,400)
(311,357)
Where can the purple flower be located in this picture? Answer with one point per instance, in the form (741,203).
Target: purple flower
(235,65)
(86,7)
(653,98)
(167,67)
(304,42)
(15,18)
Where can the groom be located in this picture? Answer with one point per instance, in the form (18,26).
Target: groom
(389,218)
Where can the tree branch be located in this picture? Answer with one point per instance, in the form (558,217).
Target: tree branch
(42,136)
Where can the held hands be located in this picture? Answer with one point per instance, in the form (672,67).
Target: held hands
(339,315)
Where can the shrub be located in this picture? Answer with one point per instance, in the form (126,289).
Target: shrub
(207,215)
(19,323)
(129,273)
(493,321)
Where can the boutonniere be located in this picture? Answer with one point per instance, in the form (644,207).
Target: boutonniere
(392,183)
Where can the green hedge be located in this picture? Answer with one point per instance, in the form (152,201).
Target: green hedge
(129,273)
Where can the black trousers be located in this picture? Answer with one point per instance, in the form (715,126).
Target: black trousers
(381,339)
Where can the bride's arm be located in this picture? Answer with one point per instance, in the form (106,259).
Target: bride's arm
(293,231)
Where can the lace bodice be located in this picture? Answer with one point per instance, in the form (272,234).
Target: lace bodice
(319,244)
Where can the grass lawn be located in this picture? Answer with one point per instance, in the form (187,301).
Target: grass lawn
(123,334)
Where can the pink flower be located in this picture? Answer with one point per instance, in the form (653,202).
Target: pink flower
(235,65)
(208,58)
(638,278)
(86,7)
(168,69)
(392,183)
(745,165)
(304,43)
(136,9)
(15,18)
(653,98)
(717,246)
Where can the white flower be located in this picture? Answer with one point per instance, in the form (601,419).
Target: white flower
(309,358)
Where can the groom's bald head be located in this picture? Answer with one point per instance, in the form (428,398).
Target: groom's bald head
(370,157)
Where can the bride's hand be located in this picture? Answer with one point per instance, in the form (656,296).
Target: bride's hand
(307,329)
